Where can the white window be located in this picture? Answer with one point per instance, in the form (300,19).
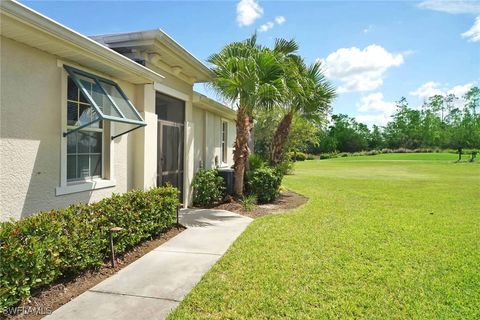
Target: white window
(90,106)
(84,146)
(224,141)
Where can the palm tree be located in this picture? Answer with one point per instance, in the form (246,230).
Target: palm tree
(250,76)
(309,95)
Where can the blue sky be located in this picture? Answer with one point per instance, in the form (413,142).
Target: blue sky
(374,52)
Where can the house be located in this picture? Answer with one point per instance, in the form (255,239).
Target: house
(82,118)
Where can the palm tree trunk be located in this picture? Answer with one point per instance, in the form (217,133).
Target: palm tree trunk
(241,152)
(280,139)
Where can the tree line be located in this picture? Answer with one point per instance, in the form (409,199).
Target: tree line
(444,122)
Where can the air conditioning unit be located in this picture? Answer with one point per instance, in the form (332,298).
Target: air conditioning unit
(228,179)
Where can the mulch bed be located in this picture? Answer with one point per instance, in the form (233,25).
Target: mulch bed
(64,290)
(286,201)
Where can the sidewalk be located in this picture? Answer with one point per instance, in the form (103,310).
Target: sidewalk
(154,285)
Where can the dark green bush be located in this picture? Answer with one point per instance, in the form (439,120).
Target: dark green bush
(208,187)
(39,249)
(328,156)
(297,156)
(255,162)
(265,184)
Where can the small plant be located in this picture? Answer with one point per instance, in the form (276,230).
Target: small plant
(265,183)
(249,202)
(208,187)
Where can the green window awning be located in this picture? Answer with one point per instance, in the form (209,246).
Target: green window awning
(107,99)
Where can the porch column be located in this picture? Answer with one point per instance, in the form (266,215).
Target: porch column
(188,154)
(145,140)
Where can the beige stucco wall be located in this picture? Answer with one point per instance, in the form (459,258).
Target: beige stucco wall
(31,135)
(199,143)
(145,140)
(208,130)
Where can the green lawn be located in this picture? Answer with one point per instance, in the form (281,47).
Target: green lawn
(378,239)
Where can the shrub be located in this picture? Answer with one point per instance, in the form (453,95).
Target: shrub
(297,156)
(255,162)
(372,152)
(248,202)
(265,183)
(208,187)
(328,156)
(285,167)
(39,249)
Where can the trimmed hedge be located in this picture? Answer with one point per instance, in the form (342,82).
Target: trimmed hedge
(40,249)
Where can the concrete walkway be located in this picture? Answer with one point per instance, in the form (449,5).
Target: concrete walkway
(154,285)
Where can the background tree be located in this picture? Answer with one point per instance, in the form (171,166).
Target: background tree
(307,94)
(473,99)
(304,135)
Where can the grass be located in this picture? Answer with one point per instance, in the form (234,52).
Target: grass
(377,239)
(410,156)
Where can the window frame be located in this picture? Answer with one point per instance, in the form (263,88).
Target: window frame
(85,129)
(72,72)
(92,183)
(224,141)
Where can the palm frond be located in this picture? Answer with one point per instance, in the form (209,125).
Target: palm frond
(286,47)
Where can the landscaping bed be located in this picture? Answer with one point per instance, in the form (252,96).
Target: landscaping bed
(57,246)
(286,201)
(54,296)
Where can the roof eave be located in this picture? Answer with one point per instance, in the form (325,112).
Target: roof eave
(40,22)
(188,56)
(211,105)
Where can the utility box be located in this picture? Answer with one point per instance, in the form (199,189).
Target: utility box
(228,177)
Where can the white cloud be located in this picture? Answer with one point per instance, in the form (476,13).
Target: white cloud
(427,90)
(269,25)
(473,34)
(378,110)
(460,90)
(360,70)
(374,103)
(248,11)
(371,119)
(432,88)
(449,6)
(265,27)
(280,20)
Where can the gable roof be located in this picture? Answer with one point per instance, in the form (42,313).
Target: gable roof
(156,43)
